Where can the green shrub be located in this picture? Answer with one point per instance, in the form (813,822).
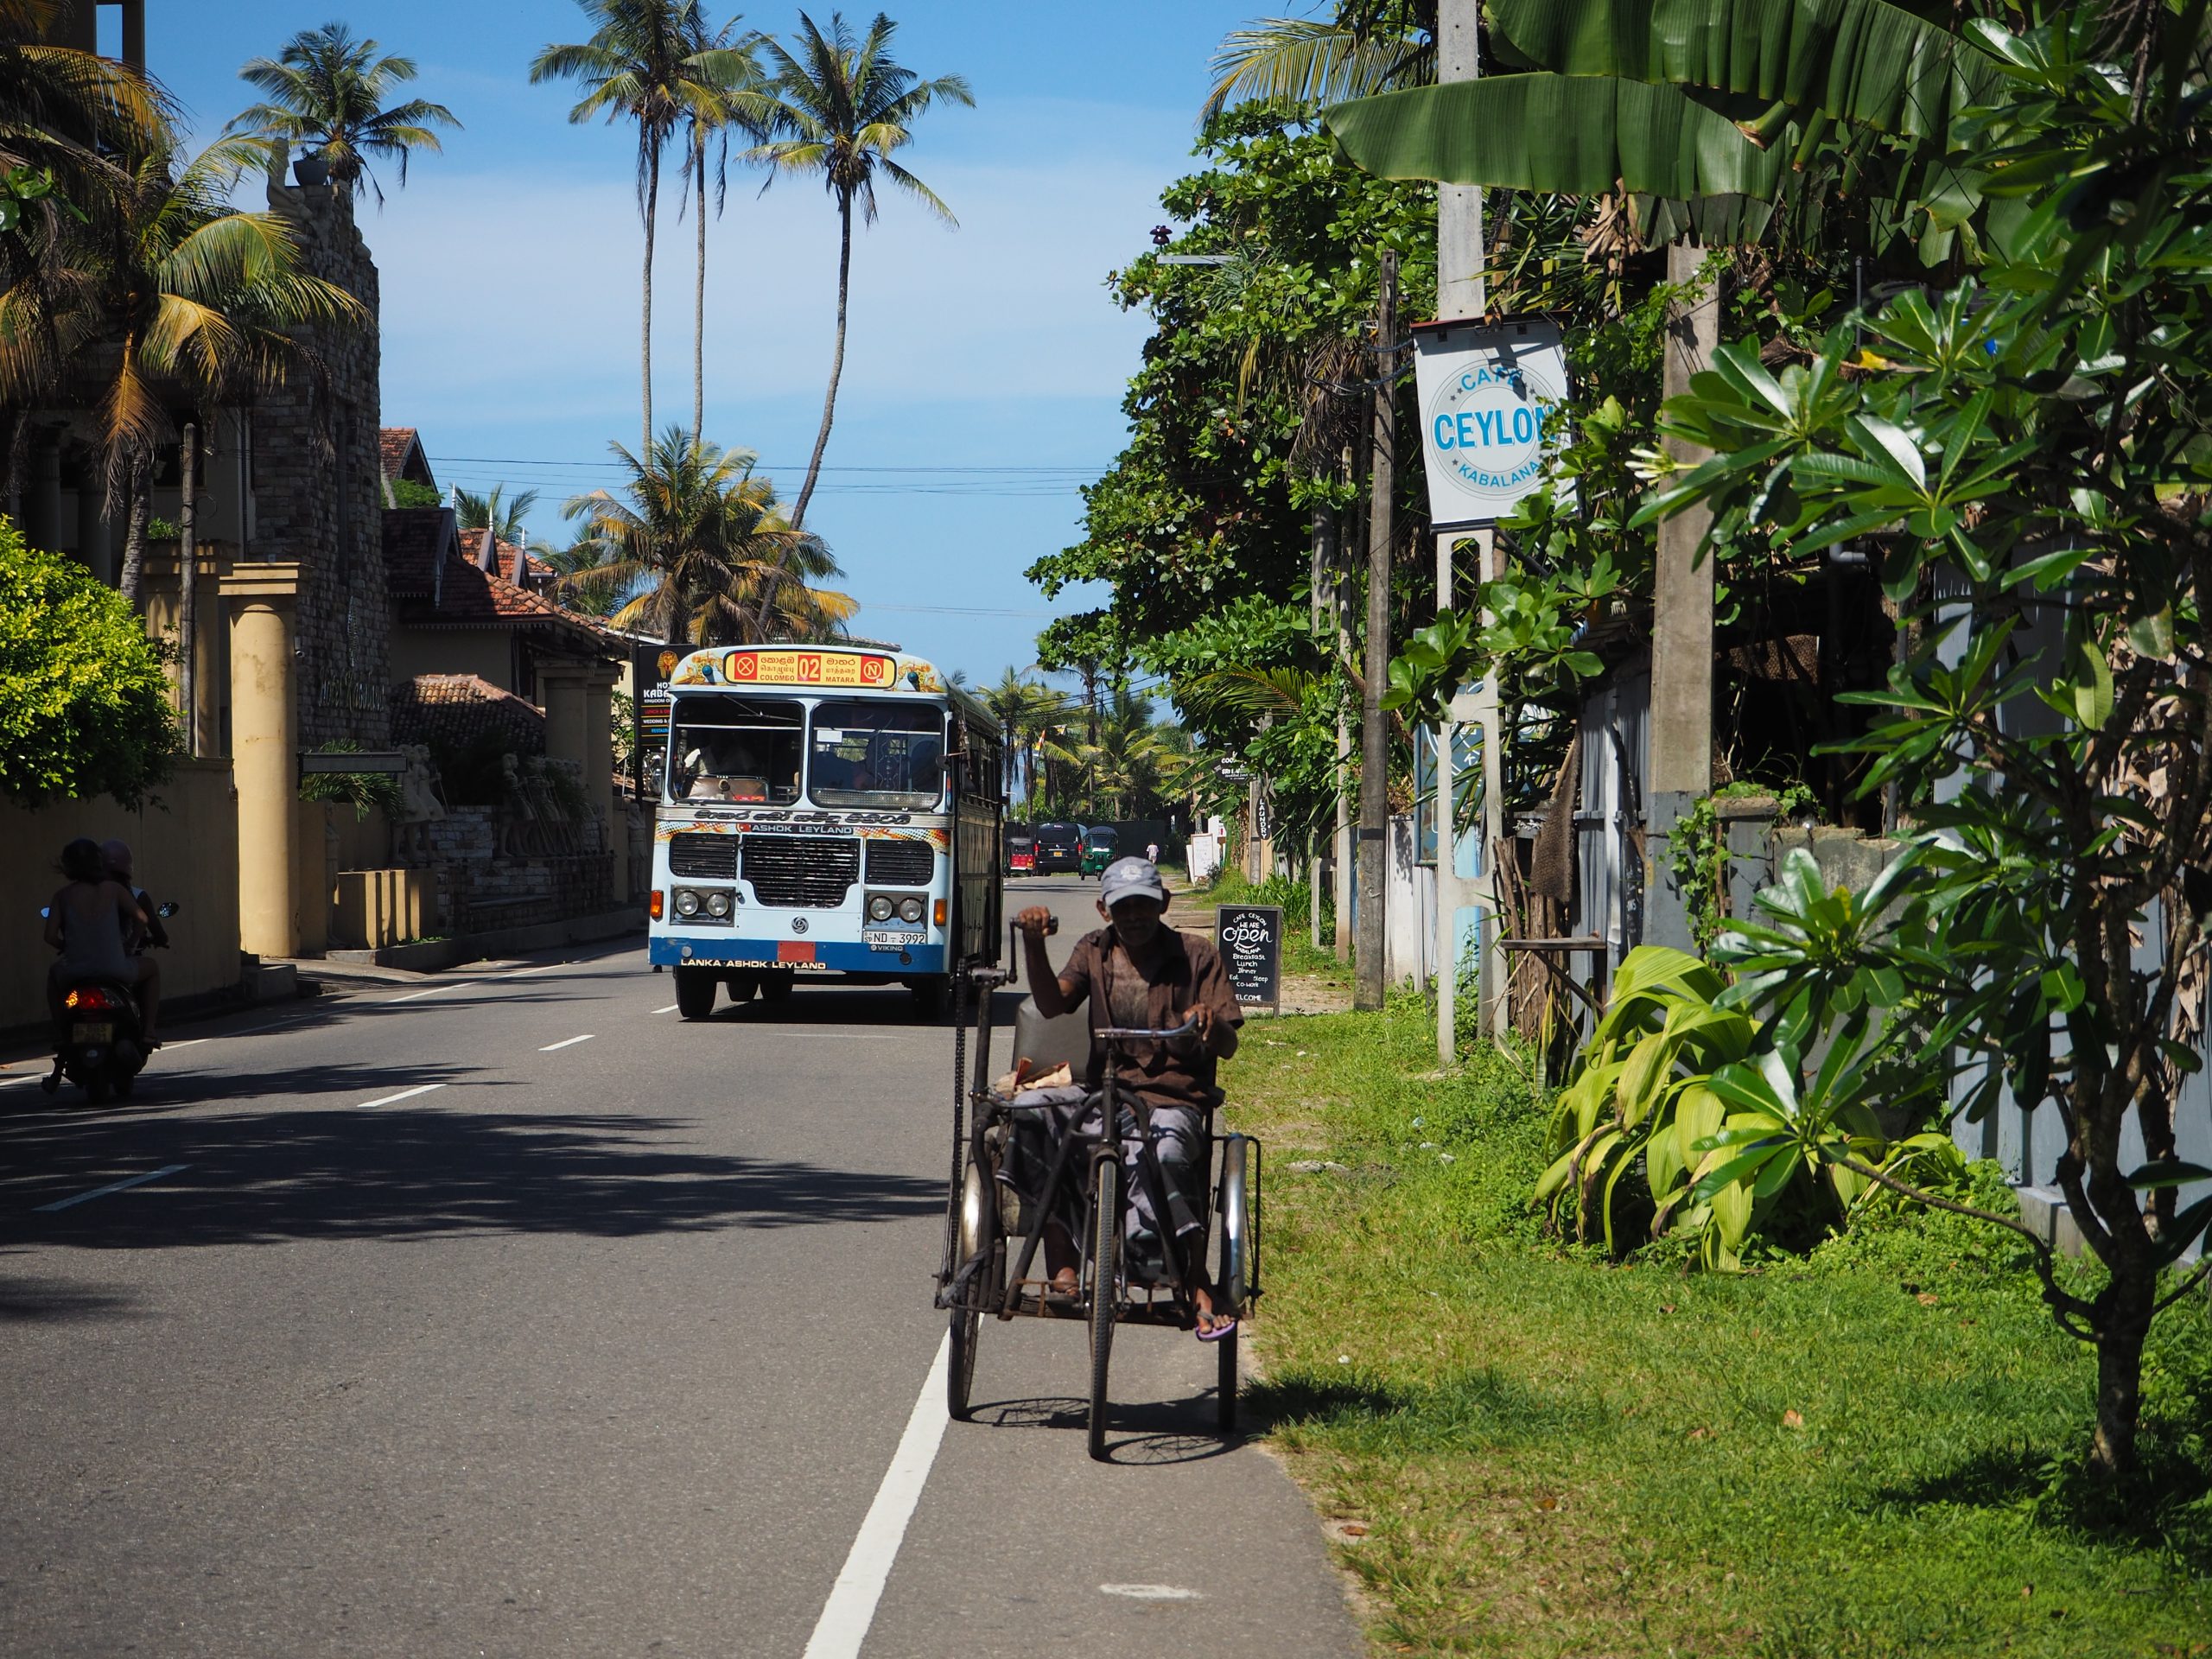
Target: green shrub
(84,701)
(406,492)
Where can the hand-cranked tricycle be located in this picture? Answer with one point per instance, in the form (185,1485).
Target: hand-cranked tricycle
(1025,1160)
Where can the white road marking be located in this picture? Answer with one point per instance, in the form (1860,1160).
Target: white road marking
(851,1607)
(113,1186)
(405,1094)
(540,967)
(567,1042)
(1152,1591)
(27,1076)
(670,1008)
(434,990)
(188,1042)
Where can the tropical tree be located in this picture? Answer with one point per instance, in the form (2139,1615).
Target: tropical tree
(66,115)
(196,296)
(732,75)
(330,91)
(701,551)
(503,517)
(650,62)
(2022,456)
(837,109)
(571,565)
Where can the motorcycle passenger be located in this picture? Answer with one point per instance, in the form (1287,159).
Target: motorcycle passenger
(154,936)
(92,922)
(1139,972)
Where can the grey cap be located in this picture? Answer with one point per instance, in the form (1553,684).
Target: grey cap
(1130,878)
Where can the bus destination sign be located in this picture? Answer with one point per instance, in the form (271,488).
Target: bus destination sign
(842,668)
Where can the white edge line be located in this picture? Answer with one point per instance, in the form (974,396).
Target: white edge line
(113,1186)
(670,1008)
(568,1042)
(434,990)
(405,1094)
(851,1607)
(540,967)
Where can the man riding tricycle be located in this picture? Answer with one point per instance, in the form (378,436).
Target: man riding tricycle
(1108,1165)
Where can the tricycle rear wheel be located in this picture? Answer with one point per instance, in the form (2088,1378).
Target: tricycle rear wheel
(978,1232)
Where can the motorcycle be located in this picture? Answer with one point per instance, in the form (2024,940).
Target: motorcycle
(98,1045)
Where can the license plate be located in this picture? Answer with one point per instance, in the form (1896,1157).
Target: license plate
(103,1033)
(889,938)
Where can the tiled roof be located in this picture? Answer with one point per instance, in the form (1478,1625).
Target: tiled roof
(400,448)
(415,539)
(448,711)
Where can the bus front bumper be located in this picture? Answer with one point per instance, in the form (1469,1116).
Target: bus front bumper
(800,956)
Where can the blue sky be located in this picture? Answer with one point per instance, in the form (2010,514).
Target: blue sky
(511,265)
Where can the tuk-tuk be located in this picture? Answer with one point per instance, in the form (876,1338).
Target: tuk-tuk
(1100,847)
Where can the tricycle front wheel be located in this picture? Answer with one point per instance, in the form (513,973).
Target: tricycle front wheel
(1105,1275)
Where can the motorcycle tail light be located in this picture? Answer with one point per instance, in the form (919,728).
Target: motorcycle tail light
(89,998)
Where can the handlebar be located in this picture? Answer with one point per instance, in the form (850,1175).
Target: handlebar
(1139,1033)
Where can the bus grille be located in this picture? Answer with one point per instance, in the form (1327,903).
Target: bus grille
(814,872)
(902,863)
(710,856)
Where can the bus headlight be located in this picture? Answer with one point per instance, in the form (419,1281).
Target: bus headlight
(718,903)
(910,909)
(687,902)
(879,907)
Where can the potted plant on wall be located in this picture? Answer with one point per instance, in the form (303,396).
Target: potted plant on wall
(312,167)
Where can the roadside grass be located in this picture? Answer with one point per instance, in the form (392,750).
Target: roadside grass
(1868,1453)
(1229,886)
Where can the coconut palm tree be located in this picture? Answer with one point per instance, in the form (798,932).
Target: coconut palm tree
(327,91)
(650,62)
(733,75)
(504,517)
(837,109)
(573,585)
(66,115)
(195,298)
(695,545)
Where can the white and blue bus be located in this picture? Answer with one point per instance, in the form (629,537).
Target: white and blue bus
(825,810)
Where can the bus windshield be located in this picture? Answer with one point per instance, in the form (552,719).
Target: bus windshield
(726,749)
(877,755)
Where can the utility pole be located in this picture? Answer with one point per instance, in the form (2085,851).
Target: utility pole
(187,592)
(1340,850)
(1320,582)
(1374,752)
(1680,768)
(1461,292)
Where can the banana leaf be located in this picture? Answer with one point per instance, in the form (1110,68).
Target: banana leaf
(1860,62)
(1572,135)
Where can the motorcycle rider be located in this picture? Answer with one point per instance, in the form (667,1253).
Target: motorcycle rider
(92,923)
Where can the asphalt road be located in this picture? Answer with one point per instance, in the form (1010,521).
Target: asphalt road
(512,1315)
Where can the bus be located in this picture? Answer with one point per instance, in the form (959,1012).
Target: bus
(825,811)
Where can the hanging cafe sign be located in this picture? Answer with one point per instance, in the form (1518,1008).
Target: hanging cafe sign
(1491,396)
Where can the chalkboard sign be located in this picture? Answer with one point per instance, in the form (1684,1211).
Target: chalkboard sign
(1250,938)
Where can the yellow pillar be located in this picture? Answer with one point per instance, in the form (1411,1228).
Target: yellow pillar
(264,758)
(599,775)
(563,688)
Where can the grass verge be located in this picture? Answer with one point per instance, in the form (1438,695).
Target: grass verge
(1867,1454)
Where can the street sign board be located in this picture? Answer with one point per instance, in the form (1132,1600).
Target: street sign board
(352,761)
(1250,938)
(1492,396)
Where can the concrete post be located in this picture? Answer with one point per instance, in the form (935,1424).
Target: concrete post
(94,546)
(42,509)
(265,763)
(1680,767)
(599,775)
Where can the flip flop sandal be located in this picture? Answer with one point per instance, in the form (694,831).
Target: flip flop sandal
(1221,1328)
